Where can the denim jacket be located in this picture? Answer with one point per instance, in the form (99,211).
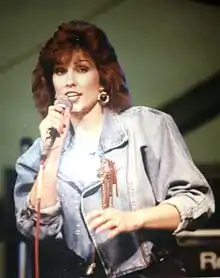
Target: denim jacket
(153,166)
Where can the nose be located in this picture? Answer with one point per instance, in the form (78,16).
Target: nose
(70,82)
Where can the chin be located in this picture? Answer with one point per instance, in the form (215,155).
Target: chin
(77,112)
(76,108)
(80,111)
(83,110)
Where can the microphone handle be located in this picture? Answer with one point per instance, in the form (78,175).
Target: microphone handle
(48,144)
(63,102)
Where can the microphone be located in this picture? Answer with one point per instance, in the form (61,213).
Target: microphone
(53,133)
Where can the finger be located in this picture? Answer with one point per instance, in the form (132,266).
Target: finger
(106,214)
(67,113)
(113,233)
(109,225)
(97,222)
(55,114)
(50,108)
(55,123)
(109,212)
(59,109)
(94,214)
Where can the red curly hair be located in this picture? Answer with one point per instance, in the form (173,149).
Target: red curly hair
(92,40)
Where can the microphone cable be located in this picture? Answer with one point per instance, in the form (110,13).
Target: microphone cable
(64,102)
(37,235)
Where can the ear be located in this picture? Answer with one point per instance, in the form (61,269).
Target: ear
(101,88)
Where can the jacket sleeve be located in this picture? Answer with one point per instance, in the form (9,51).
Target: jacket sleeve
(27,168)
(179,182)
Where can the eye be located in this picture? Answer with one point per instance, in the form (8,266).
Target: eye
(82,69)
(60,70)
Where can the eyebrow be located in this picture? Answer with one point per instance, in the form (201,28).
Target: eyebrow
(75,63)
(83,60)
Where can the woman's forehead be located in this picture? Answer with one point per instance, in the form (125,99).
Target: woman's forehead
(73,56)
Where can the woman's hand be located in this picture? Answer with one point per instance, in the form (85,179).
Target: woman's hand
(57,118)
(115,221)
(164,216)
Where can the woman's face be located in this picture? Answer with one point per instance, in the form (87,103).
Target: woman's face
(79,80)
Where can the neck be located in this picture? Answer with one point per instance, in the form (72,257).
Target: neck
(89,123)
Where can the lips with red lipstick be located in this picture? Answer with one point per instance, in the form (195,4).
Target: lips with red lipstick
(73,96)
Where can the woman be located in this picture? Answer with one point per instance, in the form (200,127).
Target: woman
(118,181)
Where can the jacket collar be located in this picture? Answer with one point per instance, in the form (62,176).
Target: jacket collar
(113,133)
(112,136)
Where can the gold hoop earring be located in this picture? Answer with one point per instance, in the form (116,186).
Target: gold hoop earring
(103,98)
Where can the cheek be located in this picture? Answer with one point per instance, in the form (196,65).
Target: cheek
(57,83)
(93,83)
(54,80)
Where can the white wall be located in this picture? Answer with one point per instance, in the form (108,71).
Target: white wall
(204,143)
(164,46)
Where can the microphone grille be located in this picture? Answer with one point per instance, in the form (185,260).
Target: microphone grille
(64,102)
